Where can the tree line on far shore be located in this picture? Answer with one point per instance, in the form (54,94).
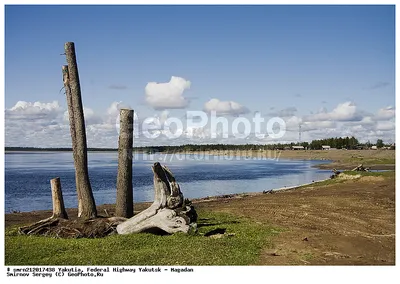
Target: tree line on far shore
(349,143)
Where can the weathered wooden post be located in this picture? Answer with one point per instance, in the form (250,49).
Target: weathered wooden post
(86,203)
(57,197)
(124,202)
(72,129)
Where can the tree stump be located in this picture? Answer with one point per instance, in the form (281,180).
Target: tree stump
(168,213)
(58,201)
(59,213)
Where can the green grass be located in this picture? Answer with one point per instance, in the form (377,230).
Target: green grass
(307,256)
(387,174)
(146,249)
(371,161)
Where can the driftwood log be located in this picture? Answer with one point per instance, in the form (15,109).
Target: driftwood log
(168,213)
(360,168)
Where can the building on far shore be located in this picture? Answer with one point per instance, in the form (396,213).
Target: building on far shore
(297,147)
(326,147)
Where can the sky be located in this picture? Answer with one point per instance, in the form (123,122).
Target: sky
(328,69)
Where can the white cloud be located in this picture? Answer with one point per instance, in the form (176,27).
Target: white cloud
(367,120)
(35,110)
(167,95)
(318,125)
(343,112)
(42,124)
(385,125)
(293,123)
(385,113)
(36,107)
(90,117)
(114,109)
(225,107)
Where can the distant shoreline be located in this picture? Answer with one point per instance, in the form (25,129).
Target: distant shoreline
(339,159)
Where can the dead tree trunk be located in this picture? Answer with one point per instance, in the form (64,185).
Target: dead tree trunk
(168,211)
(124,202)
(72,130)
(57,197)
(86,203)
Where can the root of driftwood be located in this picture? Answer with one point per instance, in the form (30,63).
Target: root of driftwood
(62,228)
(38,227)
(168,213)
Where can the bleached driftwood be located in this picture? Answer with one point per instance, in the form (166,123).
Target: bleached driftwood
(168,211)
(360,168)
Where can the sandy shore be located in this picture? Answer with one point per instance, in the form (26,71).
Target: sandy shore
(340,159)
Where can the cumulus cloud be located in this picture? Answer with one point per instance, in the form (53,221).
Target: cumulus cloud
(318,125)
(115,108)
(385,113)
(167,95)
(32,119)
(38,124)
(90,117)
(293,123)
(225,107)
(34,110)
(45,124)
(343,112)
(385,125)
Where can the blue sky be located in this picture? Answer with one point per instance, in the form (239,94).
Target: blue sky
(331,68)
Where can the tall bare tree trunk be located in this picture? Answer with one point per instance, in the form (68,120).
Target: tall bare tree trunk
(72,130)
(86,203)
(57,197)
(124,202)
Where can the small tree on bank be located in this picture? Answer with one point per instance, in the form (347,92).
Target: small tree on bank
(379,143)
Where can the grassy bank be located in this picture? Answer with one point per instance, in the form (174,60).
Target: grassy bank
(240,245)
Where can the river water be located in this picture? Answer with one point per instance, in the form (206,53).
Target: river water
(28,174)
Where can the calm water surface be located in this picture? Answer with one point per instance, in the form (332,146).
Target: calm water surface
(28,174)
